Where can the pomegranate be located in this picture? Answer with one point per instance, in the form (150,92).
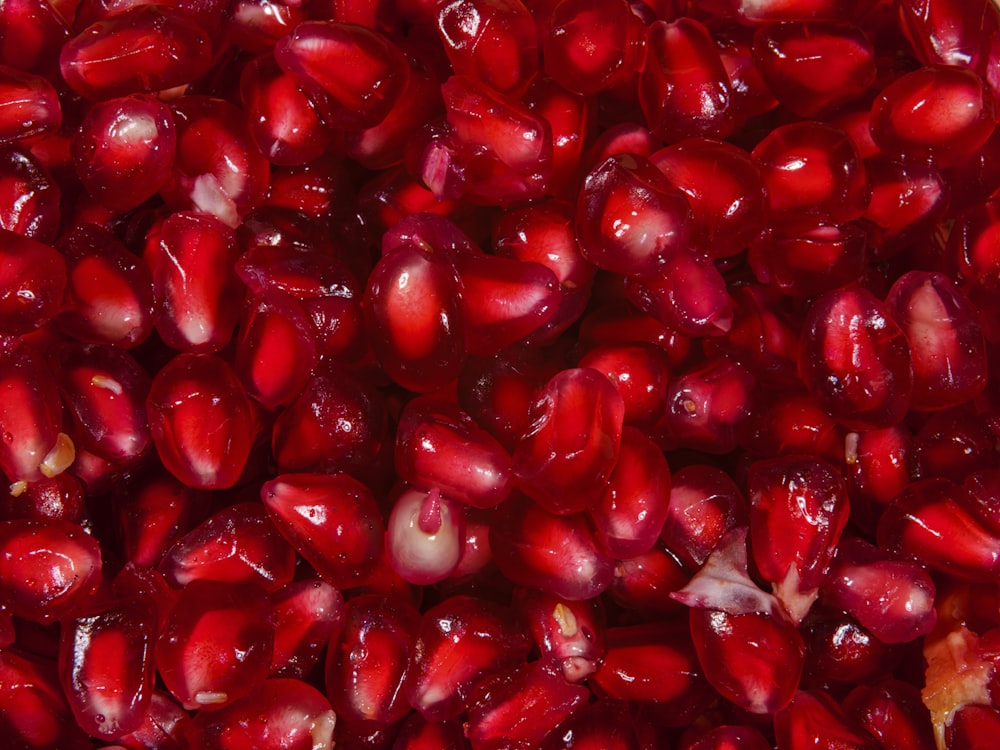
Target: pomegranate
(499,374)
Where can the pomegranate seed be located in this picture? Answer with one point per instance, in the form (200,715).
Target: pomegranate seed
(216,644)
(841,650)
(30,420)
(417,733)
(29,196)
(307,614)
(366,678)
(239,544)
(280,714)
(729,738)
(30,106)
(814,715)
(944,32)
(643,584)
(60,497)
(892,711)
(33,709)
(33,279)
(603,725)
(907,199)
(161,727)
(32,32)
(569,635)
(256,25)
(144,48)
(201,421)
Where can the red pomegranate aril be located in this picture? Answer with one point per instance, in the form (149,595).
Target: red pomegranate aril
(29,196)
(283,122)
(945,32)
(684,89)
(855,360)
(640,372)
(630,218)
(569,635)
(880,464)
(30,419)
(559,554)
(499,48)
(33,709)
(521,706)
(239,545)
(307,614)
(591,46)
(798,510)
(106,667)
(366,678)
(201,420)
(839,650)
(32,32)
(280,714)
(724,189)
(48,568)
(412,314)
(190,256)
(439,446)
(972,245)
(124,150)
(972,727)
(805,257)
(104,391)
(946,342)
(320,54)
(424,536)
(814,68)
(331,519)
(893,713)
(812,168)
(30,106)
(218,168)
(61,497)
(216,645)
(565,459)
(621,138)
(630,514)
(337,423)
(145,48)
(643,584)
(32,283)
(907,200)
(941,115)
(459,643)
(729,737)
(748,648)
(786,422)
(601,725)
(256,25)
(930,522)
(814,716)
(755,12)
(891,597)
(161,727)
(417,733)
(153,513)
(109,290)
(955,443)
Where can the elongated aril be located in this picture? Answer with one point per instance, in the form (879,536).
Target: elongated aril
(892,712)
(565,459)
(30,106)
(216,644)
(798,510)
(640,372)
(257,25)
(48,568)
(570,635)
(440,446)
(331,519)
(784,422)
(145,48)
(643,584)
(33,281)
(315,49)
(30,415)
(201,421)
(460,642)
(417,733)
(106,667)
(238,544)
(601,725)
(839,649)
(307,614)
(29,195)
(907,199)
(815,714)
(366,677)
(32,31)
(60,497)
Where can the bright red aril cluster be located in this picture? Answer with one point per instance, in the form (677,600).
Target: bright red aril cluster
(499,374)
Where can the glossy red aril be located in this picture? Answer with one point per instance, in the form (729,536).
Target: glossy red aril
(730,737)
(424,536)
(815,714)
(907,199)
(30,106)
(945,32)
(216,644)
(459,643)
(566,458)
(109,290)
(29,196)
(724,189)
(331,519)
(798,510)
(810,167)
(946,342)
(33,708)
(144,48)
(306,614)
(48,568)
(892,711)
(814,68)
(630,218)
(106,667)
(439,446)
(32,32)
(591,46)
(280,714)
(569,634)
(30,420)
(559,554)
(320,54)
(366,677)
(940,115)
(33,281)
(124,150)
(201,421)
(855,359)
(684,90)
(256,25)
(640,372)
(238,544)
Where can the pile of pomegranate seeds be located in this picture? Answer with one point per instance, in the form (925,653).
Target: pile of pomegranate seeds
(499,374)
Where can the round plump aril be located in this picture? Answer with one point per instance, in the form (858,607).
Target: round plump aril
(481,374)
